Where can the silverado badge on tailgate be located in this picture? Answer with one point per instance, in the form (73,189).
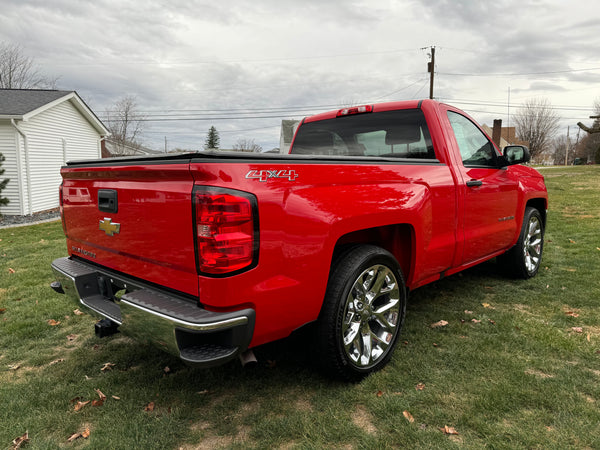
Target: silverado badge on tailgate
(110,228)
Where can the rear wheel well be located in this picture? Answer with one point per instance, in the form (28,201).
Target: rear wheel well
(396,239)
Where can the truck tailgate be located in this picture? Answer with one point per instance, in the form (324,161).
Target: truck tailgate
(135,219)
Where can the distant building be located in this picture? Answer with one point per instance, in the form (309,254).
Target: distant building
(40,130)
(288,130)
(111,148)
(506,135)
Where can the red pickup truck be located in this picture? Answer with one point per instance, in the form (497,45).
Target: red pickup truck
(210,254)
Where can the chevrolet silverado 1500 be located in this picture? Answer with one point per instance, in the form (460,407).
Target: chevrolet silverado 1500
(210,254)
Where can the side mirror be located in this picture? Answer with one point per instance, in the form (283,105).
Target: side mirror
(516,154)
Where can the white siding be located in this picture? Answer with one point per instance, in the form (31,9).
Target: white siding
(8,149)
(52,134)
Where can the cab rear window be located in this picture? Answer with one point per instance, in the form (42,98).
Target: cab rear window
(390,134)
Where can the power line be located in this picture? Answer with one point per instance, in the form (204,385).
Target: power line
(554,72)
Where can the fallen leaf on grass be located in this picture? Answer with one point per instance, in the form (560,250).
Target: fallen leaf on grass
(107,366)
(80,405)
(14,367)
(167,370)
(78,313)
(475,321)
(408,416)
(53,322)
(420,387)
(11,270)
(441,323)
(449,430)
(56,361)
(149,407)
(572,241)
(97,402)
(204,392)
(577,329)
(73,437)
(572,314)
(2,310)
(598,248)
(84,434)
(115,397)
(491,322)
(468,312)
(487,305)
(19,441)
(379,393)
(100,394)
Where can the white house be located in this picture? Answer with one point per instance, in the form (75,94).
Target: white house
(40,130)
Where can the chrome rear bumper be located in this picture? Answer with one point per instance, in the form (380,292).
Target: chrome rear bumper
(172,322)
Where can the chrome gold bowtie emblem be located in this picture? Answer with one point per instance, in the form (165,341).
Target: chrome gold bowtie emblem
(110,228)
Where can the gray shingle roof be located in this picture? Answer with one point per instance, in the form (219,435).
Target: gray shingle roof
(17,102)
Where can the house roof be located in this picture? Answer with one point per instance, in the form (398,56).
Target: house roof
(18,102)
(22,104)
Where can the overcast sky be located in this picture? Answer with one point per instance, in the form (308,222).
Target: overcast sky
(244,66)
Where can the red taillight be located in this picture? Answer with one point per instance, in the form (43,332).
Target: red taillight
(355,110)
(226,230)
(62,208)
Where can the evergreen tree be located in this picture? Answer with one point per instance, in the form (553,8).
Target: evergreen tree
(3,200)
(212,139)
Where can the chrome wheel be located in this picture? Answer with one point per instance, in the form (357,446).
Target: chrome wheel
(371,316)
(532,245)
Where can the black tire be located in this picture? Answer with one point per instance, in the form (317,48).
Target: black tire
(358,326)
(524,259)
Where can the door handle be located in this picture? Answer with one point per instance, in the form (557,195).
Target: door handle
(474,183)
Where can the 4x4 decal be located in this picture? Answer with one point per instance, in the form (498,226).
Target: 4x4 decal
(264,175)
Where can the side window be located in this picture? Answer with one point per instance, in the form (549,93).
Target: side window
(475,148)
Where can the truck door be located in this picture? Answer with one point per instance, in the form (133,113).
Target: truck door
(489,192)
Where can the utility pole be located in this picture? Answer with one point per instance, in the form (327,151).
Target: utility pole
(431,70)
(508,119)
(567,147)
(166,144)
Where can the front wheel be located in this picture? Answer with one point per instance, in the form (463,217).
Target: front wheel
(525,258)
(362,314)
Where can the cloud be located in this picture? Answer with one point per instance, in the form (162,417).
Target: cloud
(271,55)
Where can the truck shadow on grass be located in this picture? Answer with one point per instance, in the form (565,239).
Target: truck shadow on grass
(295,356)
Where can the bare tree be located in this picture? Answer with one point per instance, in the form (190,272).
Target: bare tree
(247,145)
(125,124)
(559,146)
(17,71)
(536,123)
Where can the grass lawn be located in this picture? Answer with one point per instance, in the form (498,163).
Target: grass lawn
(517,366)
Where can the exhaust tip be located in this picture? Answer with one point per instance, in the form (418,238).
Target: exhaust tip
(248,359)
